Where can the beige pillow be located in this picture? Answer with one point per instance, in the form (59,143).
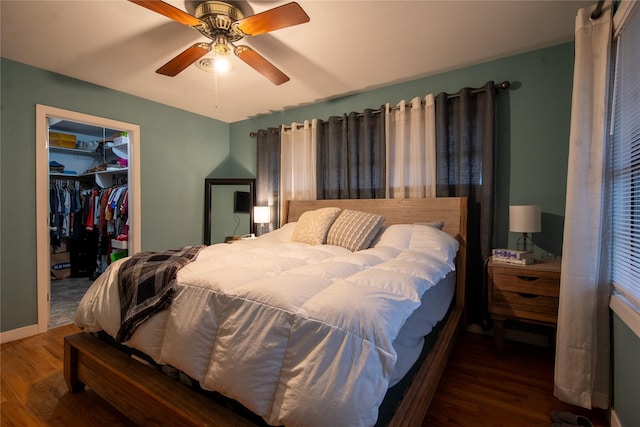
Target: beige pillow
(435,224)
(312,226)
(354,230)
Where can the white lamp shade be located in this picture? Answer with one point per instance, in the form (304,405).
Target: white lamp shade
(261,214)
(525,218)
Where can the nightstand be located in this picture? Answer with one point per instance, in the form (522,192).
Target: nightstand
(526,293)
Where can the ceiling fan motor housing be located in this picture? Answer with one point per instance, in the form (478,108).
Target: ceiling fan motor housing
(219,18)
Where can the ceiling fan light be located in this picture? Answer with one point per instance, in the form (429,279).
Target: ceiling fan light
(221,65)
(215,65)
(221,46)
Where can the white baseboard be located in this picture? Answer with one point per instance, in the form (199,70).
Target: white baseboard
(17,334)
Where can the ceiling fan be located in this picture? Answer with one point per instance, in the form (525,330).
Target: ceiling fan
(225,24)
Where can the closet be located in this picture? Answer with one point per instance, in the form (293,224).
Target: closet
(91,156)
(88,197)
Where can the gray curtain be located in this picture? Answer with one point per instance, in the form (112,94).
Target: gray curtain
(268,174)
(465,152)
(352,156)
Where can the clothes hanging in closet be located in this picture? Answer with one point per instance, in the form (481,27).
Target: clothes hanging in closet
(107,215)
(108,210)
(92,213)
(65,210)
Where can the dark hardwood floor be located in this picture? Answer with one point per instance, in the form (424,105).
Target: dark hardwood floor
(477,388)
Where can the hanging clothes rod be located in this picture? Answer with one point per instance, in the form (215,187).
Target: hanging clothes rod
(504,85)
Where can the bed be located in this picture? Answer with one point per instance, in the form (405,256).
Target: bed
(297,394)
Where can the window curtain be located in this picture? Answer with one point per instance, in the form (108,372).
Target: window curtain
(582,351)
(351,156)
(298,161)
(268,174)
(411,149)
(465,152)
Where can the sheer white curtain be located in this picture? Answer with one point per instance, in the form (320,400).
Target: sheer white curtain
(411,149)
(582,352)
(298,161)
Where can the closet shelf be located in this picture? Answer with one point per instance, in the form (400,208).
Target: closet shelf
(54,149)
(105,172)
(104,179)
(107,178)
(120,170)
(120,150)
(63,175)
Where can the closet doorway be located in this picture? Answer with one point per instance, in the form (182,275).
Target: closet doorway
(76,152)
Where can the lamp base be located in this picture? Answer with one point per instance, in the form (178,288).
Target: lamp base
(525,243)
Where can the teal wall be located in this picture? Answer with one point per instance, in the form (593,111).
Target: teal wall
(626,373)
(177,150)
(533,133)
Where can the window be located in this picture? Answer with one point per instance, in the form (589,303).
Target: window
(625,163)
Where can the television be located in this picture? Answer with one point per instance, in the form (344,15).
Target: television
(241,202)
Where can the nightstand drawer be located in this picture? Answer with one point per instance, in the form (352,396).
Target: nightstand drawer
(523,305)
(527,283)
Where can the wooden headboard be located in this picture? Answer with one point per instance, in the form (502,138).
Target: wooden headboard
(451,210)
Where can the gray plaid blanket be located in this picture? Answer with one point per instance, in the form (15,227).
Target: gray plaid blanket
(146,285)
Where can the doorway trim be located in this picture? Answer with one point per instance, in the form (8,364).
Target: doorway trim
(42,194)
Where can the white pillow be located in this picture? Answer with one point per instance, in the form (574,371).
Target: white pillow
(279,235)
(312,226)
(437,224)
(423,238)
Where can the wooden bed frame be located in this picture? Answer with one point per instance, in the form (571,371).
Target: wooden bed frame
(148,397)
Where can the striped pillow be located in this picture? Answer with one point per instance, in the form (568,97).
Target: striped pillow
(354,230)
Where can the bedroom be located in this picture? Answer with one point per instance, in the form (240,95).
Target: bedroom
(532,159)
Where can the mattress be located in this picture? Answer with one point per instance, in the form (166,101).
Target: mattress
(410,340)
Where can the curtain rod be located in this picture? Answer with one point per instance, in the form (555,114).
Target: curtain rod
(504,85)
(597,12)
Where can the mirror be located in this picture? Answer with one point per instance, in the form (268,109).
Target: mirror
(228,208)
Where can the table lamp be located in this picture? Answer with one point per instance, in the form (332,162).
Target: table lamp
(525,219)
(261,215)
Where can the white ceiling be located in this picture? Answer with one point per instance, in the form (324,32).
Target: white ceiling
(347,47)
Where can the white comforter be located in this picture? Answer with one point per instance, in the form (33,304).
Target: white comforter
(301,335)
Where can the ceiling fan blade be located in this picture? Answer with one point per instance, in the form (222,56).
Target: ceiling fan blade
(283,16)
(261,65)
(182,61)
(169,11)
